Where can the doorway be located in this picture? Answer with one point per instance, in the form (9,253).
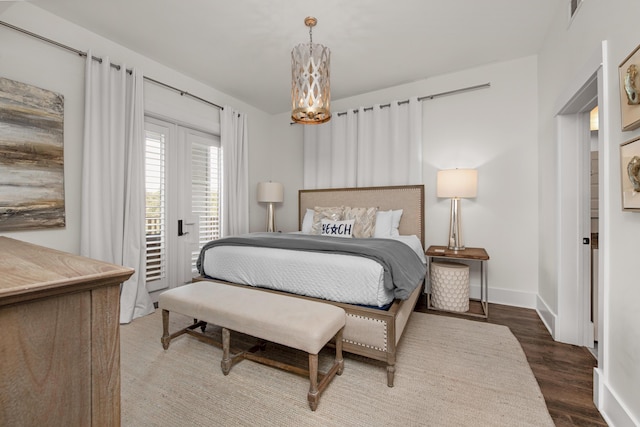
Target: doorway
(594,212)
(183,189)
(576,302)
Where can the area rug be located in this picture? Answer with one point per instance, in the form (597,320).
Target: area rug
(449,372)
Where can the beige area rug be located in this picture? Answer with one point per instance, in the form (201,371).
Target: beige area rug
(450,372)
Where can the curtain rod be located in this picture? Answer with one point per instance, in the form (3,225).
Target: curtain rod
(429,97)
(95,58)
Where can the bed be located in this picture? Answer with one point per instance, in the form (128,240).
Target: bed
(369,331)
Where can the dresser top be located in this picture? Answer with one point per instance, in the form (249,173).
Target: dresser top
(29,271)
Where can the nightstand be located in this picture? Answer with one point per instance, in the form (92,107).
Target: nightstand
(469,254)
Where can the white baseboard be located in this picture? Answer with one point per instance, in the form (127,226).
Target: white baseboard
(614,412)
(547,316)
(506,296)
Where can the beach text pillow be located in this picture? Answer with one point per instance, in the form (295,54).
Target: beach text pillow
(337,228)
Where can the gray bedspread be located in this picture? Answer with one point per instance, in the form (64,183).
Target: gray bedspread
(403,269)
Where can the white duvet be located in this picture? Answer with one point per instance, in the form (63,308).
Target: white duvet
(335,277)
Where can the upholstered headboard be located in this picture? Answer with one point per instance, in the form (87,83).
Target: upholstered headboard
(409,198)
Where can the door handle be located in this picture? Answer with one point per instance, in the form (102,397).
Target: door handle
(180,232)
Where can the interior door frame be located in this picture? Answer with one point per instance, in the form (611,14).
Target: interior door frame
(573,320)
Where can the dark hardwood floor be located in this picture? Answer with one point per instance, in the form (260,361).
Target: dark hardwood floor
(564,372)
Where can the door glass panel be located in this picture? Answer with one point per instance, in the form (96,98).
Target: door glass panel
(205,191)
(155,224)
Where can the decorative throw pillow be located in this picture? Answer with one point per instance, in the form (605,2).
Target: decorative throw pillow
(365,220)
(307,221)
(333,213)
(337,228)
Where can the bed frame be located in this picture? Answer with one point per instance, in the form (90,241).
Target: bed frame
(370,332)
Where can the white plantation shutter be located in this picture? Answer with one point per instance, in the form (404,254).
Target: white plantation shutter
(155,206)
(205,192)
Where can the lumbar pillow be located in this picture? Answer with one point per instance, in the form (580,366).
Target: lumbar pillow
(365,220)
(333,213)
(337,228)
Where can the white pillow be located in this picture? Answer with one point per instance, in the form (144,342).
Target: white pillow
(337,228)
(383,224)
(387,223)
(395,222)
(307,221)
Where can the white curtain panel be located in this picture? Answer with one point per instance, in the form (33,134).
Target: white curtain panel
(376,146)
(234,140)
(330,152)
(113,193)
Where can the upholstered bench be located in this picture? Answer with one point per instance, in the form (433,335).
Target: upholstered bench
(293,322)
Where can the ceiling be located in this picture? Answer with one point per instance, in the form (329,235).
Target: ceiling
(243,47)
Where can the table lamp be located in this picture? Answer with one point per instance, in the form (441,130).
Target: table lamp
(457,184)
(270,192)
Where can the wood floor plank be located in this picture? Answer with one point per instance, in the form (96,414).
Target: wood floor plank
(564,372)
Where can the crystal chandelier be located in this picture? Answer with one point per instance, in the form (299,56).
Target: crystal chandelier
(310,91)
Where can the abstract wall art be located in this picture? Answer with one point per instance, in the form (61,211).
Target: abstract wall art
(31,157)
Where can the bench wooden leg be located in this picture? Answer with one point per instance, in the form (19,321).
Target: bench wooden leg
(339,360)
(391,371)
(313,396)
(166,339)
(226,357)
(203,325)
(315,388)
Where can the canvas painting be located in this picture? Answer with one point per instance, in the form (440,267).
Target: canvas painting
(31,157)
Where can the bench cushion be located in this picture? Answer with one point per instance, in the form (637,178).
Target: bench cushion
(290,321)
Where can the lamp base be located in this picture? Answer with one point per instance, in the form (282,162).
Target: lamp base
(271,219)
(455,226)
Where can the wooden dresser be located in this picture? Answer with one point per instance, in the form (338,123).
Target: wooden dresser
(59,337)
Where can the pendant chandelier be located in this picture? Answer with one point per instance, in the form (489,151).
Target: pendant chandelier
(310,90)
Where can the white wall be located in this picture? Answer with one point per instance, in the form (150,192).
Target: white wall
(493,130)
(37,63)
(286,166)
(566,51)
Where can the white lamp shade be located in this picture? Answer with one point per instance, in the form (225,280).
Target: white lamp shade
(461,183)
(270,192)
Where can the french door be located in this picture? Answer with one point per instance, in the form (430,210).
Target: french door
(182,178)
